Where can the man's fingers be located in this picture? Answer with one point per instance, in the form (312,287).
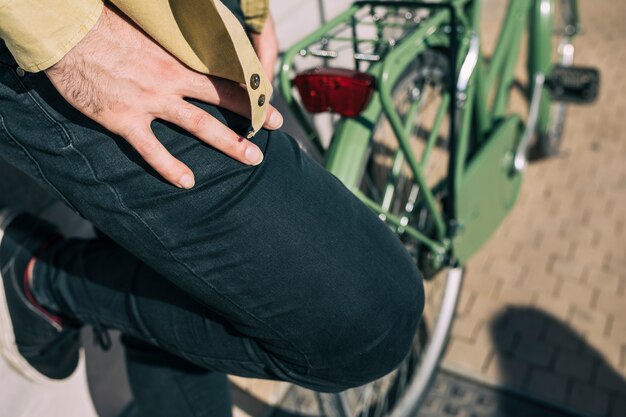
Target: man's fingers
(154,153)
(273,120)
(226,94)
(211,131)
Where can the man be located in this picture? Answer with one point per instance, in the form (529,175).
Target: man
(226,246)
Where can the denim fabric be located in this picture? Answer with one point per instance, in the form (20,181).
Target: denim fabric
(275,271)
(164,385)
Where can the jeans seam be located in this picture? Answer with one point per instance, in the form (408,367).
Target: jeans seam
(58,126)
(33,161)
(174,258)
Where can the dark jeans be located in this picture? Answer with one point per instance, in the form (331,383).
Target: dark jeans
(275,271)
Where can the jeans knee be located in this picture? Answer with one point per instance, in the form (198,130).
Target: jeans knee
(370,343)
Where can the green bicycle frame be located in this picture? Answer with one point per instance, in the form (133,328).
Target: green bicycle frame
(474,114)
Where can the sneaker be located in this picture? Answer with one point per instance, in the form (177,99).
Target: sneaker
(38,344)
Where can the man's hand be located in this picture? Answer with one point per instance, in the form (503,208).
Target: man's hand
(122,79)
(266,46)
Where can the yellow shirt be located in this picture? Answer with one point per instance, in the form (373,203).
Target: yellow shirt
(203,34)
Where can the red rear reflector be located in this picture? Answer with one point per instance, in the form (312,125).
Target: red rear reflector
(336,90)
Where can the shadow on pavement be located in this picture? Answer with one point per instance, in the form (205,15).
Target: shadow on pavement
(542,357)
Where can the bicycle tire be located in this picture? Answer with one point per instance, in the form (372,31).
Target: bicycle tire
(548,143)
(400,393)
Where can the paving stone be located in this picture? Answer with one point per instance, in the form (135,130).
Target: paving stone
(610,350)
(432,405)
(562,247)
(481,262)
(592,256)
(615,263)
(531,256)
(540,282)
(485,308)
(578,294)
(514,295)
(530,325)
(501,339)
(606,281)
(466,327)
(619,407)
(556,306)
(506,270)
(563,337)
(467,300)
(617,327)
(581,235)
(486,286)
(547,385)
(589,399)
(507,371)
(574,365)
(609,378)
(534,352)
(465,357)
(611,303)
(589,321)
(535,261)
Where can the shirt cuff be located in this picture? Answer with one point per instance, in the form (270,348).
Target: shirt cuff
(40,32)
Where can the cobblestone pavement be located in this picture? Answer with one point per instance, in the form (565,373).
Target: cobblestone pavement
(452,396)
(543,311)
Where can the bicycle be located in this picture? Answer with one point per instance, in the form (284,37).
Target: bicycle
(426,140)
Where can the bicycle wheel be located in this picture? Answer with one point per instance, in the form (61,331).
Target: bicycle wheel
(548,142)
(388,181)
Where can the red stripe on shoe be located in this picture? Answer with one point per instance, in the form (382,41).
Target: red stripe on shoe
(54,319)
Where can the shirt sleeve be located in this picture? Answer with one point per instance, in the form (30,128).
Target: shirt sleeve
(40,32)
(255,14)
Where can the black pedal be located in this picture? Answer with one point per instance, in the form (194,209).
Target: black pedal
(574,84)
